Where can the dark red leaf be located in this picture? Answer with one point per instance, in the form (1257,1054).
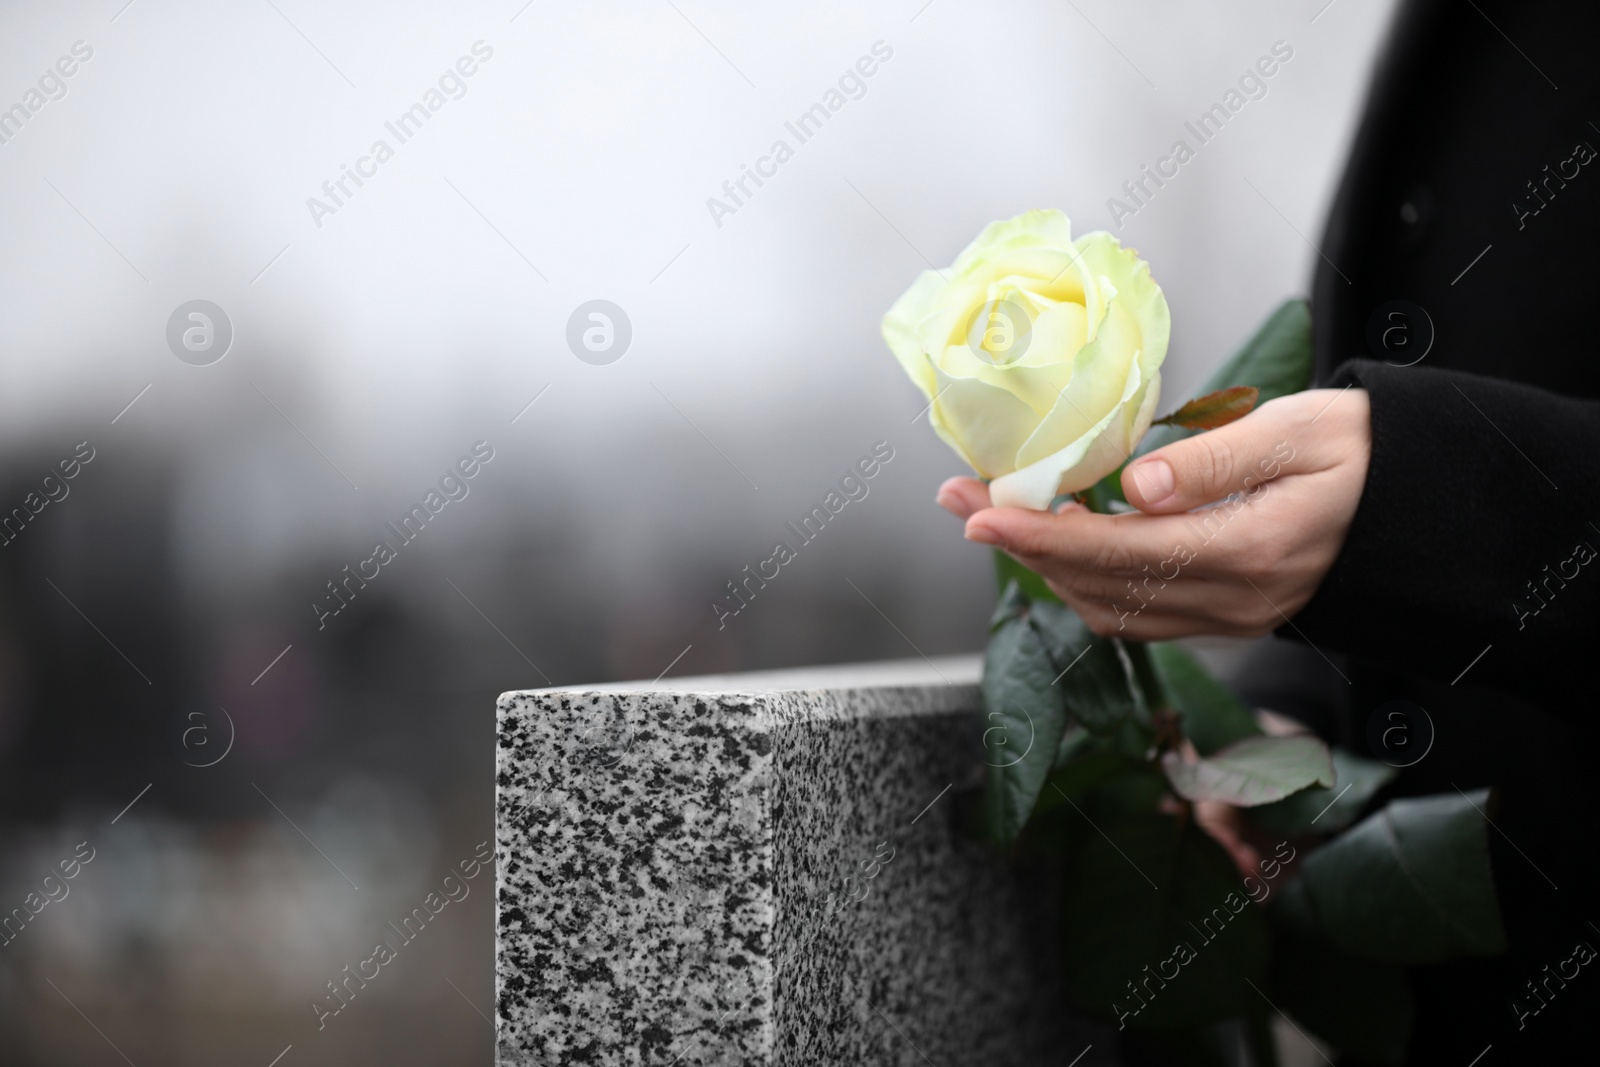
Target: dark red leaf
(1214,409)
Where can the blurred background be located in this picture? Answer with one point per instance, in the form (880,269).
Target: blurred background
(265,784)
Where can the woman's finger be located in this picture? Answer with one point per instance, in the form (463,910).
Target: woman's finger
(1113,620)
(963,497)
(1077,537)
(1280,437)
(1196,597)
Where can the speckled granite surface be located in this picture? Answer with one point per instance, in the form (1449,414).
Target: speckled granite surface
(764,869)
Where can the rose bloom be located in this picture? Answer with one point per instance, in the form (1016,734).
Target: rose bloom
(1041,355)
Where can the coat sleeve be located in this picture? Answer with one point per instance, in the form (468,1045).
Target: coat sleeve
(1472,554)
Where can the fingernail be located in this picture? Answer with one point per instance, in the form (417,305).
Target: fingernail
(1156,480)
(948,500)
(983,535)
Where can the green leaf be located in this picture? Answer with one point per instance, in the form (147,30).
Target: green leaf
(1132,739)
(1257,770)
(1152,891)
(1013,604)
(1088,772)
(1089,672)
(1326,810)
(1212,715)
(1411,884)
(1076,742)
(1007,570)
(1214,409)
(1277,360)
(1025,719)
(1142,790)
(1361,1007)
(1148,693)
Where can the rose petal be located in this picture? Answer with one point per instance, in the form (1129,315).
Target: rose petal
(1083,462)
(1045,227)
(985,424)
(1037,387)
(900,328)
(1100,381)
(1059,333)
(1137,292)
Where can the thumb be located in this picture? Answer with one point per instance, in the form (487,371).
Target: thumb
(1204,468)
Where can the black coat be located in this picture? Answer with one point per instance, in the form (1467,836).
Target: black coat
(1469,583)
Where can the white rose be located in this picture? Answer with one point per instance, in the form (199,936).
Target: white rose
(1041,355)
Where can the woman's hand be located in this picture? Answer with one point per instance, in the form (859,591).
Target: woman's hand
(1285,481)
